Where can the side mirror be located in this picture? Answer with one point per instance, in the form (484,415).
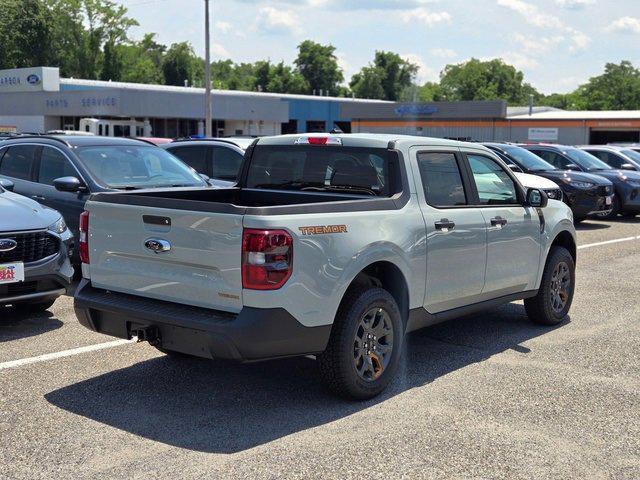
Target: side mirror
(537,198)
(68,184)
(627,166)
(7,184)
(573,167)
(515,168)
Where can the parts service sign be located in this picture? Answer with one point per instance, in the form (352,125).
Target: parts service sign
(38,79)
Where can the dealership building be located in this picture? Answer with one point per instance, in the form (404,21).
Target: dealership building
(38,100)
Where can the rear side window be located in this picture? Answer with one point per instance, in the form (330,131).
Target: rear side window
(360,171)
(610,159)
(195,156)
(553,158)
(18,161)
(53,164)
(441,179)
(226,163)
(494,185)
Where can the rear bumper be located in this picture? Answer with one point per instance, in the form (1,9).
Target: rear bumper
(251,335)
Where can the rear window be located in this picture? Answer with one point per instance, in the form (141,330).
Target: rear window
(365,171)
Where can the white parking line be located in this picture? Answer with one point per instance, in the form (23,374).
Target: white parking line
(609,242)
(64,353)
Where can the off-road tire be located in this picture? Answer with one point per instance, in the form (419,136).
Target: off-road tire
(539,308)
(336,363)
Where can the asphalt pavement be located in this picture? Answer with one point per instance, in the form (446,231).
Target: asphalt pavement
(487,396)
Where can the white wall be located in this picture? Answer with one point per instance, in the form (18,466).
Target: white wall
(30,123)
(250,127)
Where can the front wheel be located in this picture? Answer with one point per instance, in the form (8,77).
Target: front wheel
(555,295)
(365,345)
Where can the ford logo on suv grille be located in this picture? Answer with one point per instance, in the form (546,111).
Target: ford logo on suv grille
(6,244)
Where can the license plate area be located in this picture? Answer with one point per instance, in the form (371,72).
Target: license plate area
(11,273)
(608,200)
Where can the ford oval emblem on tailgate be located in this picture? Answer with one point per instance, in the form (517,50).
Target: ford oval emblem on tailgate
(157,245)
(6,244)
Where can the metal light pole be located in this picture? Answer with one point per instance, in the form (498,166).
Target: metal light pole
(207,73)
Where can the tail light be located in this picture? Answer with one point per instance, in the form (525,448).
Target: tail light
(83,244)
(267,259)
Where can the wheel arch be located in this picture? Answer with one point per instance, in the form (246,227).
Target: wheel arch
(387,275)
(566,240)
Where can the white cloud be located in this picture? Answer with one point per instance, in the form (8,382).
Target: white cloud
(219,51)
(425,73)
(625,25)
(425,16)
(532,15)
(517,59)
(538,45)
(575,4)
(223,27)
(278,21)
(443,53)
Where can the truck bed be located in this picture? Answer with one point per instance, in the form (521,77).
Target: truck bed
(246,201)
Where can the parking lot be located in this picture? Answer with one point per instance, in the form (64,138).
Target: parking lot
(488,396)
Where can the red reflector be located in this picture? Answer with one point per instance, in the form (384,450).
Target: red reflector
(83,244)
(267,259)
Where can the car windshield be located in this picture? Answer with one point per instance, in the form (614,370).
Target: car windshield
(528,160)
(586,160)
(133,167)
(633,155)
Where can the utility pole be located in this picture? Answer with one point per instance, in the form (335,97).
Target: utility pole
(207,73)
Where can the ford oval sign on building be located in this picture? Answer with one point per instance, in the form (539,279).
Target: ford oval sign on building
(34,79)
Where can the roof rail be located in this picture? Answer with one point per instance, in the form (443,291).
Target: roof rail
(40,137)
(142,140)
(209,139)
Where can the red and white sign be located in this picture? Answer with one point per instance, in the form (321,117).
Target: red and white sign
(11,273)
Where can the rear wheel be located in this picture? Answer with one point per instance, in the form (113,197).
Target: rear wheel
(365,345)
(555,295)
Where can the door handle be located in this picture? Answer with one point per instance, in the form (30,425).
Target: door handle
(444,225)
(498,221)
(39,198)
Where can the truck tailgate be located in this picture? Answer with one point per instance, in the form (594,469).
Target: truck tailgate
(174,255)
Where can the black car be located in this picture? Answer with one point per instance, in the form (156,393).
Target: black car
(585,194)
(219,159)
(62,171)
(626,183)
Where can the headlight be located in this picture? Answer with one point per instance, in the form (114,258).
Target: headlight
(584,185)
(554,193)
(58,227)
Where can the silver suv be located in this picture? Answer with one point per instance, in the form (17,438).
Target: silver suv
(35,246)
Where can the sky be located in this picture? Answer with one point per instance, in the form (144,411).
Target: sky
(558,44)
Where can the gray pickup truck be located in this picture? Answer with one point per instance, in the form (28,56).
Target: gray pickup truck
(333,245)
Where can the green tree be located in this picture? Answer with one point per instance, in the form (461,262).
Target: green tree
(484,80)
(179,64)
(618,88)
(368,83)
(25,34)
(386,78)
(318,65)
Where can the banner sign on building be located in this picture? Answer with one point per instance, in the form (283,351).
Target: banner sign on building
(543,134)
(37,79)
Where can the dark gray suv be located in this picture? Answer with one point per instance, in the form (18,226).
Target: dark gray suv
(35,246)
